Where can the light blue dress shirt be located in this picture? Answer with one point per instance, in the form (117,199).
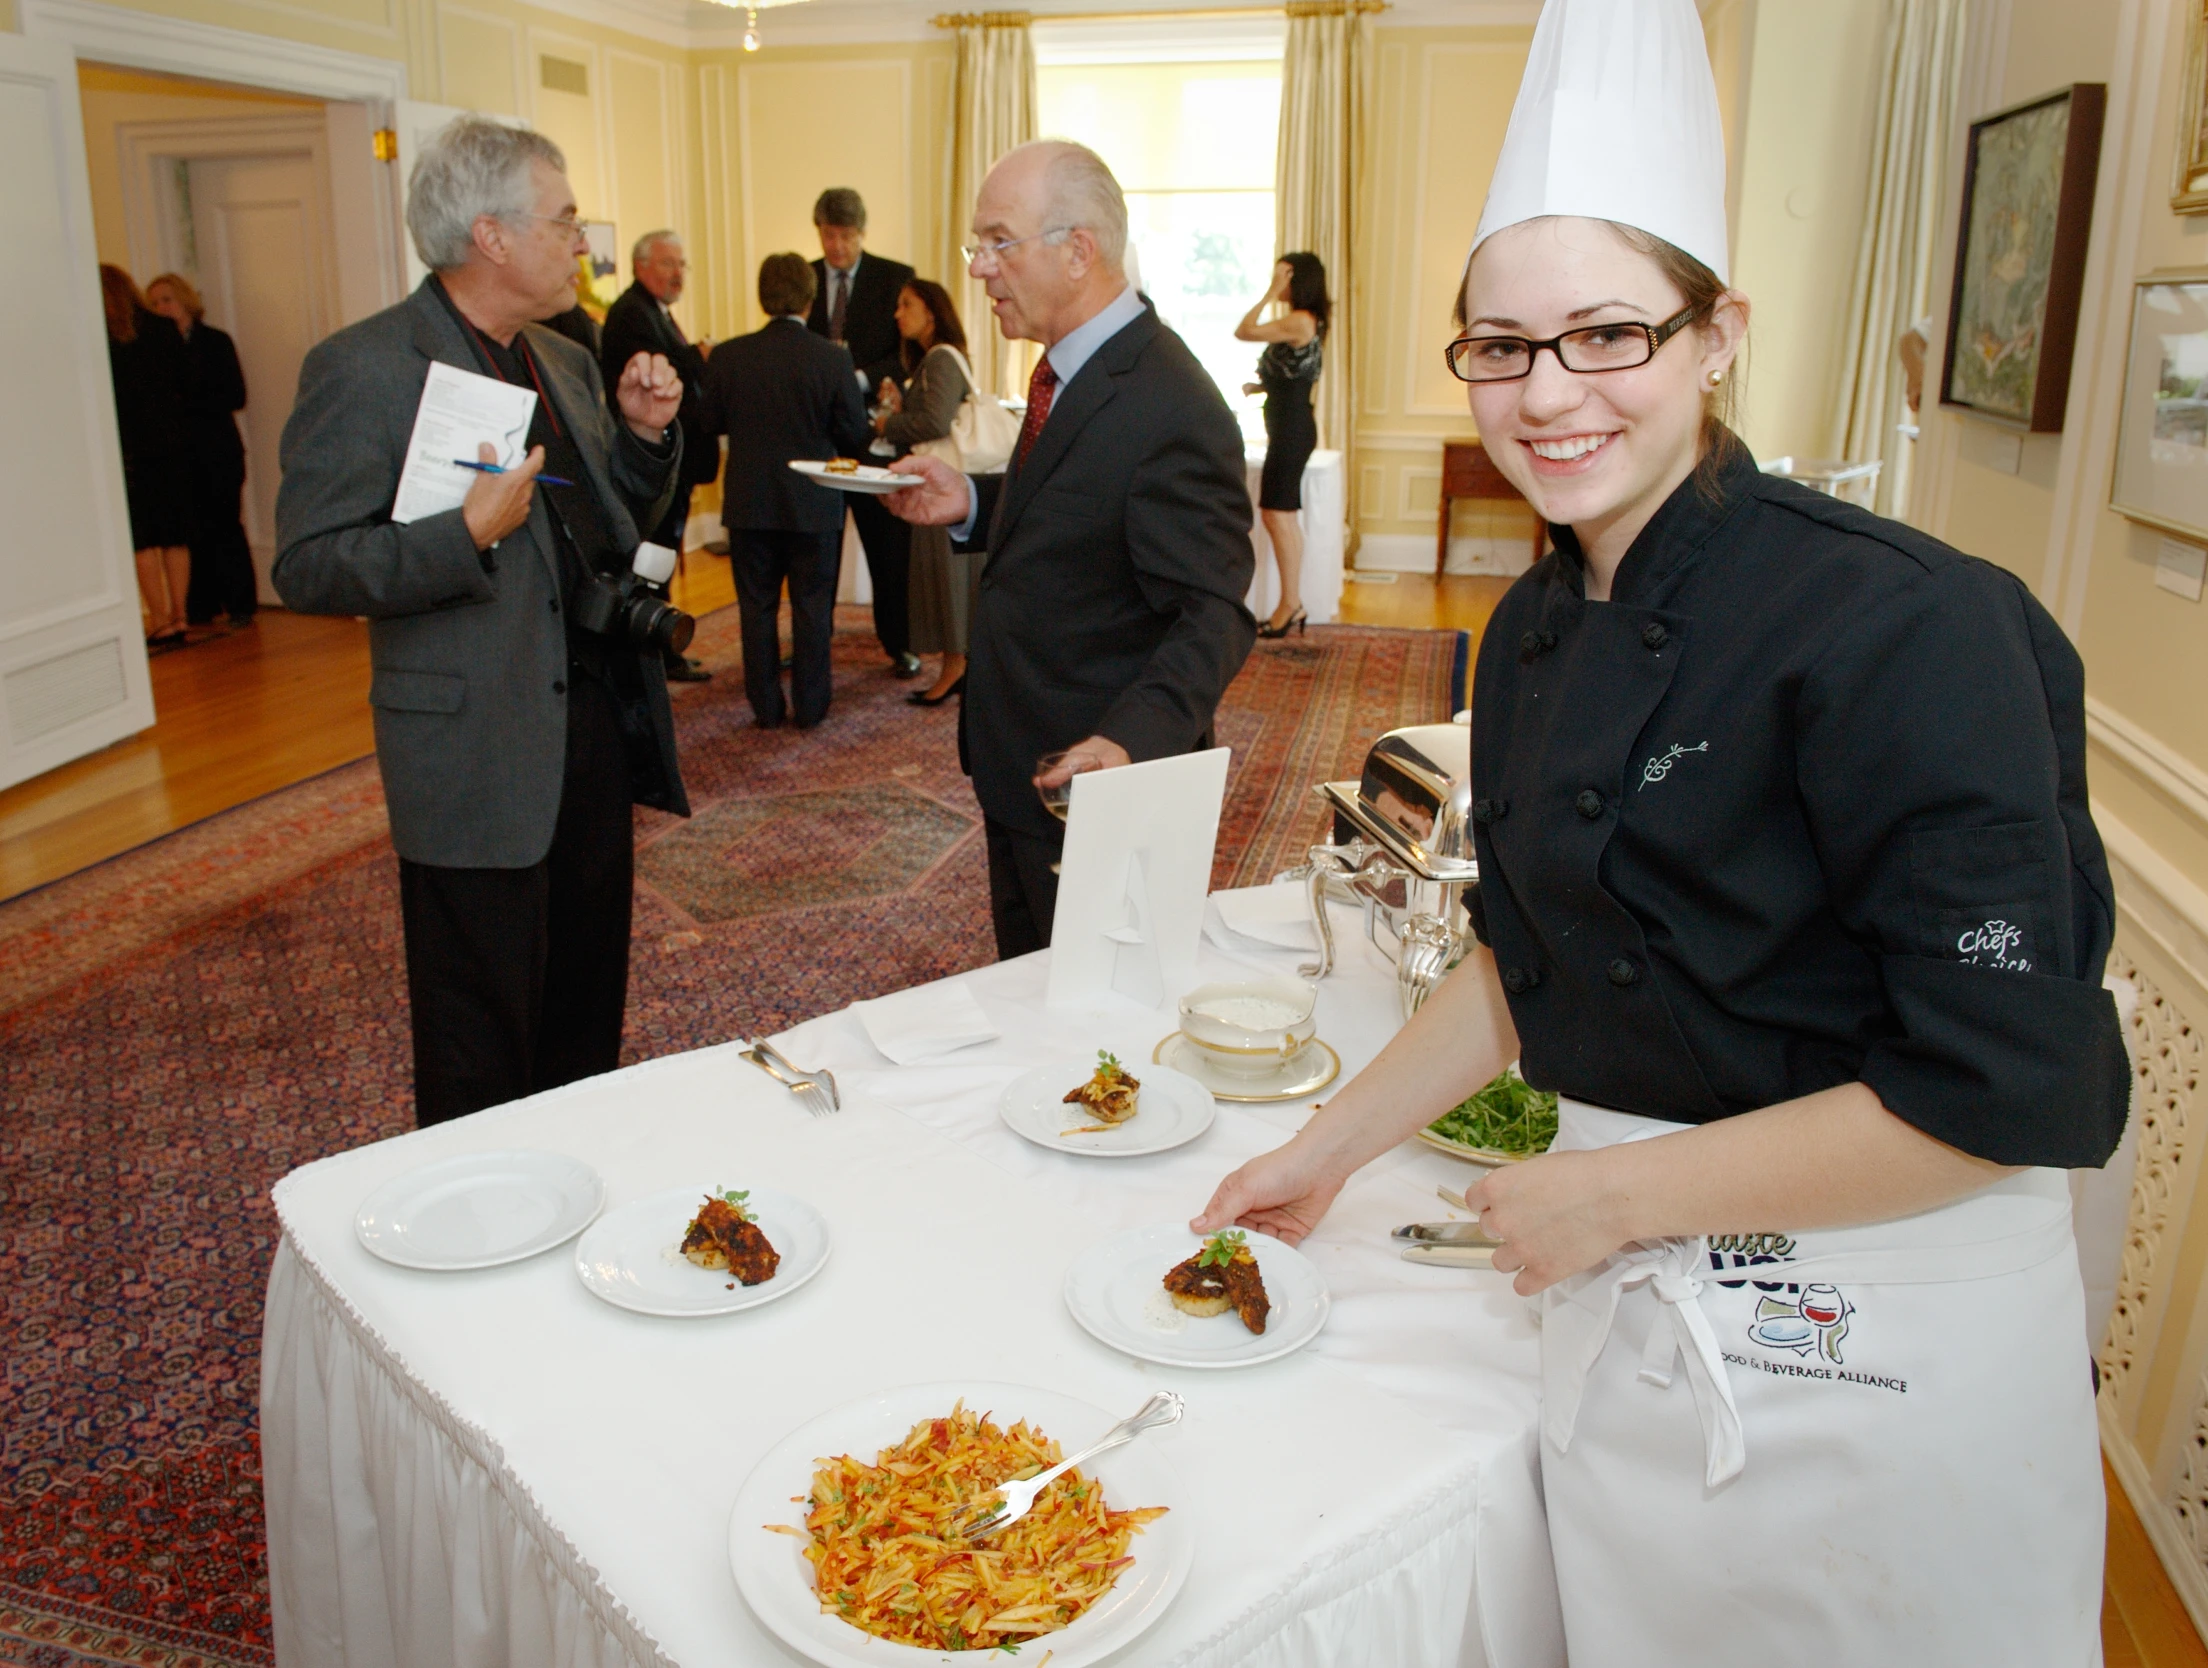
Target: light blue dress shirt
(1067,355)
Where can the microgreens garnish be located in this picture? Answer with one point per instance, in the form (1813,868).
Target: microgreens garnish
(734,1198)
(1107,1063)
(1219,1250)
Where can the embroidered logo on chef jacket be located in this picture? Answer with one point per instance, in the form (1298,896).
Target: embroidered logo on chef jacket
(1995,943)
(1660,765)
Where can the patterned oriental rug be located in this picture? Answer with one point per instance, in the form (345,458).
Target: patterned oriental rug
(184,1024)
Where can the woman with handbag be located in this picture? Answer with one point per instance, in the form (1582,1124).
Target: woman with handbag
(921,417)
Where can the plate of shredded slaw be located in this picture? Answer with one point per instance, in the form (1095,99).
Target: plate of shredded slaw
(842,1537)
(1507,1121)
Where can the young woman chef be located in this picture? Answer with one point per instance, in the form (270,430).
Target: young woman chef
(1788,886)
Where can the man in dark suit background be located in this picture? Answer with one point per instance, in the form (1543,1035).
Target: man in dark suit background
(639,321)
(855,303)
(782,393)
(511,740)
(1110,617)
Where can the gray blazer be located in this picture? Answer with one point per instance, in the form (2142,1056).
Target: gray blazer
(470,661)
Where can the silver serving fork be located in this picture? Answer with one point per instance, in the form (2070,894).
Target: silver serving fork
(1165,1408)
(815,1090)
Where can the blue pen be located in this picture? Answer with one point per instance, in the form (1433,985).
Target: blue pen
(500,469)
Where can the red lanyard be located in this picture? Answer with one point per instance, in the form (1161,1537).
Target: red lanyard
(529,364)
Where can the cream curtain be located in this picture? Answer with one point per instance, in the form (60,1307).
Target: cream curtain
(992,110)
(1892,288)
(1324,91)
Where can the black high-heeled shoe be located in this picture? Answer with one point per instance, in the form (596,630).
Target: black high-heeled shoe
(921,698)
(1295,622)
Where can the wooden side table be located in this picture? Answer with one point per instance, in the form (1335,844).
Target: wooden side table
(1468,472)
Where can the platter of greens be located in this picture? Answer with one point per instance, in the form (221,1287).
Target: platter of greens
(1507,1121)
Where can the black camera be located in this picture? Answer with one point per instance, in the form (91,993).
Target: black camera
(627,611)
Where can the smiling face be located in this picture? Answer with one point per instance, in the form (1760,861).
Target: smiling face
(1597,451)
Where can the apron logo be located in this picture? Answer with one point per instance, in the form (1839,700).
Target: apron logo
(1994,943)
(1659,767)
(1815,1320)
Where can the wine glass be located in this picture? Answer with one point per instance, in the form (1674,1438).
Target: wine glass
(1057,797)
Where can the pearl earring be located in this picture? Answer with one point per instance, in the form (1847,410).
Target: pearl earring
(1716,377)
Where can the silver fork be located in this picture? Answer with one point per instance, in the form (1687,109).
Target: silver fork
(1165,1408)
(815,1090)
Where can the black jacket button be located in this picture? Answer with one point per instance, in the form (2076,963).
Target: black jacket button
(1654,634)
(1516,980)
(1623,972)
(1490,810)
(1548,640)
(1530,644)
(1588,804)
(559,686)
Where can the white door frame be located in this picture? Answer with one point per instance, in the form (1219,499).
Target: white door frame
(362,91)
(151,212)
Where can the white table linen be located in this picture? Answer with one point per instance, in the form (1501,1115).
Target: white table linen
(496,1468)
(1324,519)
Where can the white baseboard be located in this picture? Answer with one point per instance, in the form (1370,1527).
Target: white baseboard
(2171,1544)
(1414,553)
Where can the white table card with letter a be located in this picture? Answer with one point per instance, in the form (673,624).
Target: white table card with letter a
(1132,883)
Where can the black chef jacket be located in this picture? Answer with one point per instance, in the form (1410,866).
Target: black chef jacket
(1802,804)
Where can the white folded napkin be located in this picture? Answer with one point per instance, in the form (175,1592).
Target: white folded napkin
(1279,915)
(928,1020)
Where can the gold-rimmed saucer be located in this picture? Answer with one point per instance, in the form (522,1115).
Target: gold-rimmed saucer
(1305,1072)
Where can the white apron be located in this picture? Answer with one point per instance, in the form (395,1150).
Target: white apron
(1886,1456)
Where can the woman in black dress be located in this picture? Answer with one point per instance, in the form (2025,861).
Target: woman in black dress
(222,562)
(152,377)
(941,593)
(1286,371)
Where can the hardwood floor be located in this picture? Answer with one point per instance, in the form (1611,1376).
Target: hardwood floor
(247,714)
(235,717)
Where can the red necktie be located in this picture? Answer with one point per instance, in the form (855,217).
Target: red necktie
(1039,387)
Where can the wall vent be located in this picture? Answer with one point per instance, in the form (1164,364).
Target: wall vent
(51,695)
(564,75)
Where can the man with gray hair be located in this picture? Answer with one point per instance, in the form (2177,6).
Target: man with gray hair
(512,737)
(642,320)
(1110,616)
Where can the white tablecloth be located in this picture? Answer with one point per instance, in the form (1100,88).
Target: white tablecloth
(1324,519)
(497,1468)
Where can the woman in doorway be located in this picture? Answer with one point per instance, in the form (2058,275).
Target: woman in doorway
(1286,371)
(223,580)
(152,377)
(938,379)
(1789,888)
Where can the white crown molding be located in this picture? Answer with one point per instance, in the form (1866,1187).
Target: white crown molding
(146,40)
(2176,776)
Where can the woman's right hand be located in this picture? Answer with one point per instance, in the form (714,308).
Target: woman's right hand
(497,504)
(1282,1193)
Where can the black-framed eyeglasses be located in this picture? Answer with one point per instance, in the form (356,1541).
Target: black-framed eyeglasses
(1596,347)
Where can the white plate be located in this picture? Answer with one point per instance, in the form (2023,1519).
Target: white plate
(1116,1290)
(631,1258)
(1493,1157)
(777,1582)
(868,479)
(1171,1110)
(479,1210)
(1310,1069)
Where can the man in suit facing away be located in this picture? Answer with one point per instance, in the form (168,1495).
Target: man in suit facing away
(782,393)
(640,321)
(511,740)
(1110,617)
(855,303)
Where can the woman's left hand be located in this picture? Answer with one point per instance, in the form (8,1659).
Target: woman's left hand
(1556,1215)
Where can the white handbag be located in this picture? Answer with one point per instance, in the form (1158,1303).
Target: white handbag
(982,434)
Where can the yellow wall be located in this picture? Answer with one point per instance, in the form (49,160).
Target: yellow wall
(1441,99)
(113,96)
(876,118)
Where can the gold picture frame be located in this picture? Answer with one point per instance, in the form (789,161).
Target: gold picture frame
(2189,182)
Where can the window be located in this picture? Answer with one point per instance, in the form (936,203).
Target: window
(1192,144)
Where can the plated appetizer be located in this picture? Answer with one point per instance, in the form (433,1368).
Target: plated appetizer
(841,466)
(1109,1095)
(886,1557)
(723,1236)
(1222,1276)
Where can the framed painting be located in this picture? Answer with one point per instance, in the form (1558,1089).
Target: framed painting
(2189,185)
(2161,473)
(2020,258)
(601,264)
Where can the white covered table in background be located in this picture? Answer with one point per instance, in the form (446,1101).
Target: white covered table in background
(1324,519)
(498,1468)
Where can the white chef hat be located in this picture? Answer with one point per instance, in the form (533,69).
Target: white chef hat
(1617,119)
